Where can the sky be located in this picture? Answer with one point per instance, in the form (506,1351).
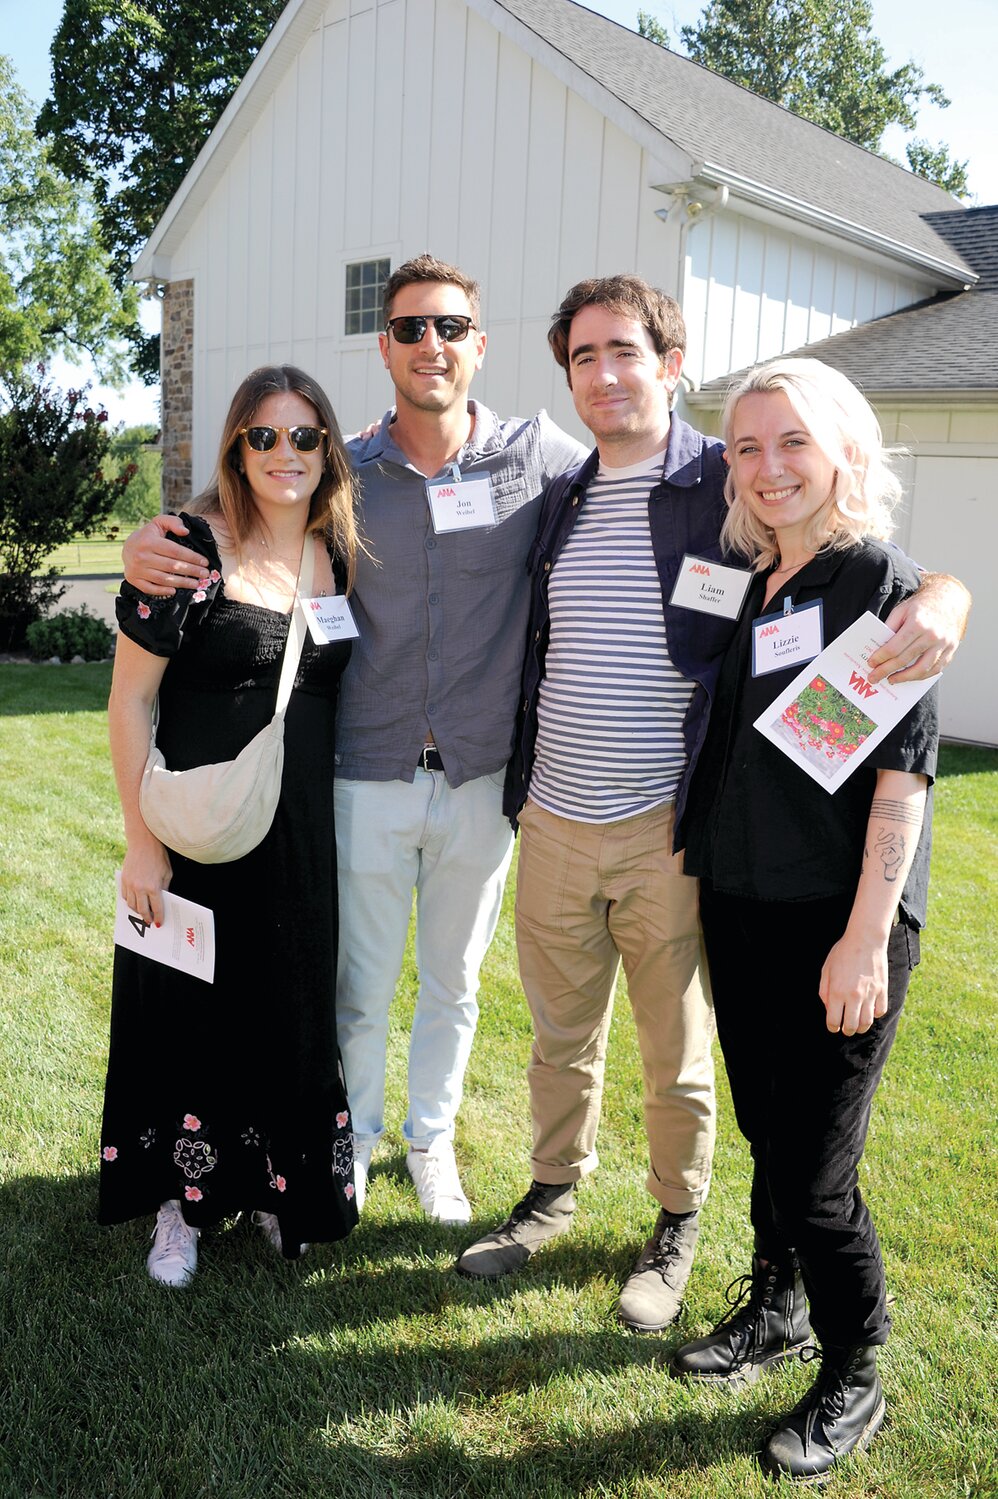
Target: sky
(956,48)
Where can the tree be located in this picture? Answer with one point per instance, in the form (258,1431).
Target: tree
(820,59)
(133,446)
(56,295)
(53,448)
(936,165)
(652,29)
(136,91)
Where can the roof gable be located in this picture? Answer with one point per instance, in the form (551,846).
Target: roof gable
(731,135)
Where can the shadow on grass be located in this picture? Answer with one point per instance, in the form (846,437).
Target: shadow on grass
(32,689)
(354,1371)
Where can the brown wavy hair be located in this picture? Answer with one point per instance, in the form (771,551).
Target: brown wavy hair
(332,505)
(627,296)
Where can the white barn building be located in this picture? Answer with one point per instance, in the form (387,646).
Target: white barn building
(534,142)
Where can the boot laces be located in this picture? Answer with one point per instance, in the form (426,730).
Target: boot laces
(747,1296)
(826,1399)
(527,1204)
(667,1249)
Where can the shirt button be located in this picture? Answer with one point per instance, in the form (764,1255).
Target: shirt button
(431,542)
(547,567)
(537,634)
(434,598)
(433,655)
(576,500)
(431,707)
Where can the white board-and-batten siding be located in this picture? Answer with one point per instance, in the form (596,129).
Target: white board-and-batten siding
(752,290)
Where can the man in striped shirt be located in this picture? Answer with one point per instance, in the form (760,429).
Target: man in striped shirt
(615,693)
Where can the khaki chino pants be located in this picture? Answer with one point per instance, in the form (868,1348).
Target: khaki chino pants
(588,896)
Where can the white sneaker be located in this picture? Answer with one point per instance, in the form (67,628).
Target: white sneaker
(173,1257)
(272,1230)
(362,1153)
(438,1186)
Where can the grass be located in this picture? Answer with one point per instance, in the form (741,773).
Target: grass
(369,1369)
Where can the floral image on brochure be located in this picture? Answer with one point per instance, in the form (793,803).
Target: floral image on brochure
(832,716)
(823,726)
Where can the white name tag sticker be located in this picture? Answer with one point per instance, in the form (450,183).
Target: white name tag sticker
(780,640)
(711,587)
(330,618)
(461,506)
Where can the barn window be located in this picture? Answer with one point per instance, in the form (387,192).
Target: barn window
(365,287)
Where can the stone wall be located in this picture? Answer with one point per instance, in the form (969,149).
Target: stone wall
(177,392)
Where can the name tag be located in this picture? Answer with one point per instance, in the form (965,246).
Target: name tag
(711,587)
(780,640)
(330,618)
(461,505)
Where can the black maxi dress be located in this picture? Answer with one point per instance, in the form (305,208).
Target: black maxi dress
(229,1096)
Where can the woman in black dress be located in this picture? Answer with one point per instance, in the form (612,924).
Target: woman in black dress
(811,903)
(229,1096)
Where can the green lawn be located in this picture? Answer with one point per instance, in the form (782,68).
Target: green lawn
(369,1369)
(90,555)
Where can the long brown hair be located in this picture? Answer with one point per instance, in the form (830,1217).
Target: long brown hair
(331,508)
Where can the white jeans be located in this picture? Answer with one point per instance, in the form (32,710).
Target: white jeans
(453,848)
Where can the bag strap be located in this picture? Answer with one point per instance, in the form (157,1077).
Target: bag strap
(297,627)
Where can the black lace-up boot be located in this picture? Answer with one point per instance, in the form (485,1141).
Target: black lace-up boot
(768,1323)
(841,1413)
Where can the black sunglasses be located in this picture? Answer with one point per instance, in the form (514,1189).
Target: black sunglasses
(451,327)
(302,439)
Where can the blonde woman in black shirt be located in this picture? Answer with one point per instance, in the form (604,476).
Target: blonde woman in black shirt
(830,887)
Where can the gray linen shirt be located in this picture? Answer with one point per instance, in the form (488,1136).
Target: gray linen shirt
(442,619)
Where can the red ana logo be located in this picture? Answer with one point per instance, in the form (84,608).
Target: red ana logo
(447,492)
(190,936)
(700,567)
(769,630)
(861,686)
(314,605)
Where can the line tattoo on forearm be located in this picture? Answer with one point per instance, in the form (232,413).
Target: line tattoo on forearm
(893,811)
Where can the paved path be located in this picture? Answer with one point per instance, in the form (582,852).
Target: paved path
(92,591)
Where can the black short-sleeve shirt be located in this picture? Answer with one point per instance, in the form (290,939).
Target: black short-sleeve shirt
(756,825)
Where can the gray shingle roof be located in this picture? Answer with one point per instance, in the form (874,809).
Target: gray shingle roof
(726,125)
(947,343)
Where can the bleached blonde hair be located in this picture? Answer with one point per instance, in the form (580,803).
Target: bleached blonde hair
(865,492)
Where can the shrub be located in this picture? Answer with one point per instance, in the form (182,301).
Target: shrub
(75,632)
(52,451)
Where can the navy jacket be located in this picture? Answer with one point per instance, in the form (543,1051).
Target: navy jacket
(685,512)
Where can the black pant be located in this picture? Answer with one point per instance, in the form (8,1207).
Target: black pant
(803,1095)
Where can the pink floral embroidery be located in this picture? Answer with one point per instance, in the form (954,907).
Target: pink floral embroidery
(110,1152)
(143,611)
(215,575)
(199,597)
(280,1183)
(341,1119)
(191,1121)
(193,1194)
(203,582)
(349,1191)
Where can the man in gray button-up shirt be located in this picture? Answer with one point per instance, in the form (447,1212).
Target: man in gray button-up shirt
(426,716)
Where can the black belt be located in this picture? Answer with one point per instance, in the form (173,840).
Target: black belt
(430,758)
